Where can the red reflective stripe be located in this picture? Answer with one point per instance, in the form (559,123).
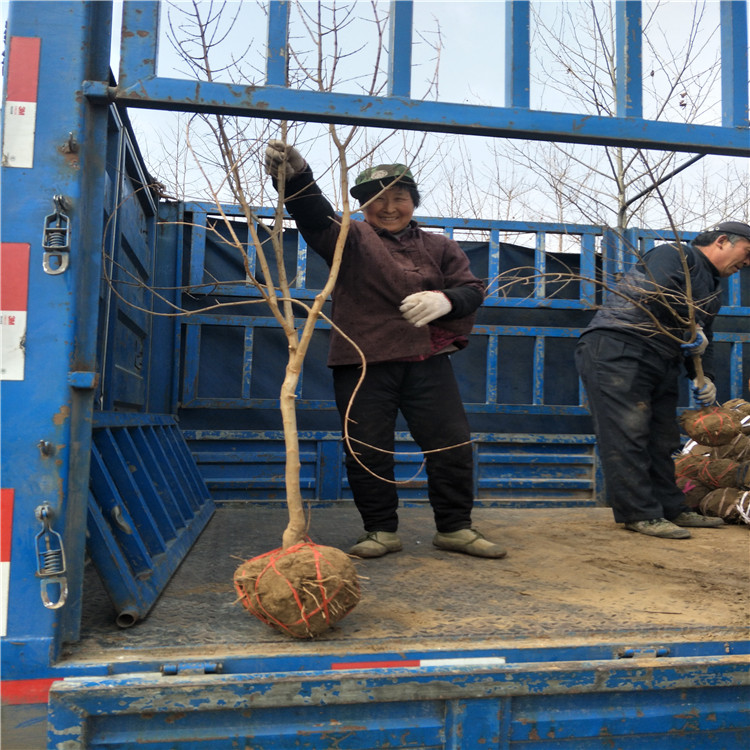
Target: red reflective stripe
(23,69)
(6,523)
(14,276)
(376,664)
(19,692)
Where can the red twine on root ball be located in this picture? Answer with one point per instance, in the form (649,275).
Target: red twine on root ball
(711,425)
(317,587)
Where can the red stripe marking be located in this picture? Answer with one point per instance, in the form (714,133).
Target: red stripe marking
(375,664)
(20,692)
(6,523)
(23,69)
(14,275)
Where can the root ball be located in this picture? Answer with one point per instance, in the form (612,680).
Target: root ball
(712,425)
(302,590)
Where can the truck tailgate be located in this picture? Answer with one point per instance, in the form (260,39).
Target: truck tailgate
(586,636)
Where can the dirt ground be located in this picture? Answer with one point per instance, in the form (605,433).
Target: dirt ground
(571,575)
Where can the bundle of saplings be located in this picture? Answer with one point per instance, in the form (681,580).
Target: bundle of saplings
(713,469)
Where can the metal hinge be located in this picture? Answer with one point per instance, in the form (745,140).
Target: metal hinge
(83,380)
(643,652)
(200,667)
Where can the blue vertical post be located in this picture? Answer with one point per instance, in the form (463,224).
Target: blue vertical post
(399,61)
(734,64)
(139,47)
(540,266)
(96,24)
(47,409)
(588,270)
(277,61)
(517,48)
(629,78)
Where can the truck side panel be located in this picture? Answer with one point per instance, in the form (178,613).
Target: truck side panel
(632,704)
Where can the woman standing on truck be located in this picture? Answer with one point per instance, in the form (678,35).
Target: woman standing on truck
(407,299)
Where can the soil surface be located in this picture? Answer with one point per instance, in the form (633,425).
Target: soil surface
(571,576)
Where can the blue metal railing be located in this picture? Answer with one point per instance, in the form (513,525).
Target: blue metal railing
(529,291)
(139,86)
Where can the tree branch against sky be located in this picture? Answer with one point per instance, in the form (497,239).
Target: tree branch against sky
(575,71)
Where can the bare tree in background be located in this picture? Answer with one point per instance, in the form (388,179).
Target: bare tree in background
(575,51)
(573,46)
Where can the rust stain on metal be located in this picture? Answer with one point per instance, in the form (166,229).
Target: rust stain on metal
(62,415)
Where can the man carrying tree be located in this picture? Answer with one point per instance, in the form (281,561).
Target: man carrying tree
(629,360)
(407,299)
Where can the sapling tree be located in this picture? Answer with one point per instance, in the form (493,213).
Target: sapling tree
(301,588)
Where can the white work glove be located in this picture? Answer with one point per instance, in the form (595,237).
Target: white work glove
(281,156)
(422,307)
(696,347)
(704,394)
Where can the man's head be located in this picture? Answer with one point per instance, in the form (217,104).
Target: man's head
(388,195)
(726,245)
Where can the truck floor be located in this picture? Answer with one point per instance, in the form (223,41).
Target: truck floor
(571,576)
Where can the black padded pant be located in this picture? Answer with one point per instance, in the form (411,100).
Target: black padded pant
(427,395)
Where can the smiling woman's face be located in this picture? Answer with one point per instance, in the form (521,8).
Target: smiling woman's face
(392,209)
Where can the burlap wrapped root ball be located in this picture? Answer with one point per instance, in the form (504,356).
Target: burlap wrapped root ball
(719,472)
(738,449)
(729,503)
(689,465)
(302,590)
(693,490)
(739,405)
(719,453)
(742,409)
(711,425)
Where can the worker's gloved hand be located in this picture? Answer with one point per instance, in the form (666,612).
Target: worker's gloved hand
(422,307)
(279,155)
(704,394)
(696,347)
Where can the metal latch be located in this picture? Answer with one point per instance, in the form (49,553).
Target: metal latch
(643,652)
(50,559)
(201,667)
(56,239)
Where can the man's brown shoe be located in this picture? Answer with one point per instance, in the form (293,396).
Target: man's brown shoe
(658,527)
(697,521)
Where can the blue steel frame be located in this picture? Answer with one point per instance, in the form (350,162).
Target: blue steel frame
(55,403)
(139,86)
(594,242)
